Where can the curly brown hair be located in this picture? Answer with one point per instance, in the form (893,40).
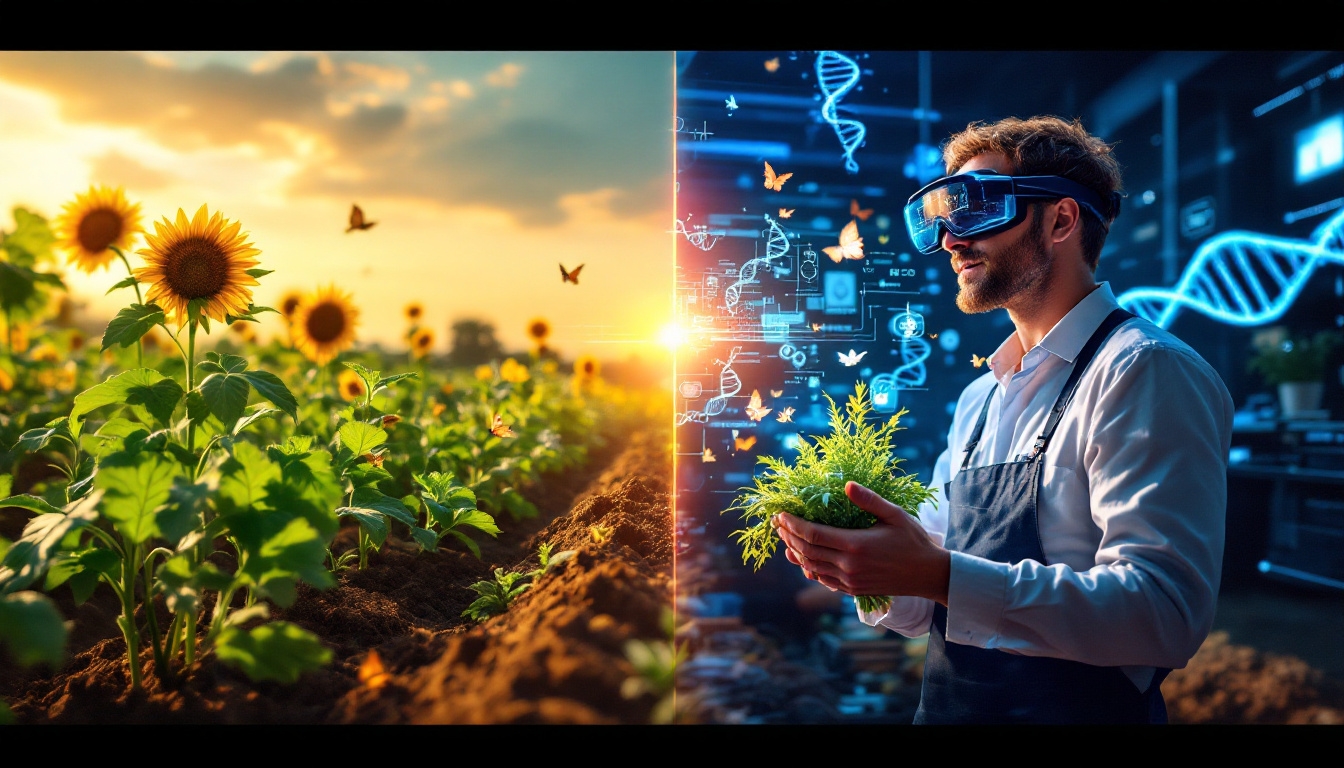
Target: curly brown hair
(1047,146)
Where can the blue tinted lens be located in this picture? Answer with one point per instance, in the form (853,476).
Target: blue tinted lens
(962,208)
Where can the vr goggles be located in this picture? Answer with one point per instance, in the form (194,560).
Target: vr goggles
(985,202)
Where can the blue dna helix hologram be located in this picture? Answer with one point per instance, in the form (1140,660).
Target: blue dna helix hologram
(912,372)
(776,245)
(1241,278)
(836,76)
(729,384)
(698,235)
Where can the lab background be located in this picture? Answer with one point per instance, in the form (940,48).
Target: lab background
(1229,237)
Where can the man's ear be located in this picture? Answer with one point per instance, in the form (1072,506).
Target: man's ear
(1064,217)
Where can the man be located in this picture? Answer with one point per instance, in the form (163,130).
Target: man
(1074,556)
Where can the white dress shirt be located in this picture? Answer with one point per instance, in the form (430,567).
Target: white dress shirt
(1131,506)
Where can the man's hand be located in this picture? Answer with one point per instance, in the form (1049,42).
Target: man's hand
(893,557)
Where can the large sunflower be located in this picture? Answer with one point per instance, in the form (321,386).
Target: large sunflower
(324,324)
(92,223)
(205,258)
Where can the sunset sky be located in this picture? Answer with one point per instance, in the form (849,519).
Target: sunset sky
(484,170)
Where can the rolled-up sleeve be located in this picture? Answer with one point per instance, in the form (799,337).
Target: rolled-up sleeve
(1155,463)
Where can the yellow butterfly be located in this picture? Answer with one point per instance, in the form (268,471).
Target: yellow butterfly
(861,213)
(785,415)
(744,443)
(570,275)
(977,361)
(933,335)
(772,181)
(816,326)
(754,410)
(785,213)
(851,245)
(707,456)
(772,65)
(852,358)
(776,392)
(357,219)
(883,239)
(499,429)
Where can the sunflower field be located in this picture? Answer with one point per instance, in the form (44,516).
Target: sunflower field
(206,483)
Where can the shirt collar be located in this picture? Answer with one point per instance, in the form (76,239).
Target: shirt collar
(1068,336)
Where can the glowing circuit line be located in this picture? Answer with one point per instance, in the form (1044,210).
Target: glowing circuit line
(1241,278)
(776,245)
(836,76)
(729,384)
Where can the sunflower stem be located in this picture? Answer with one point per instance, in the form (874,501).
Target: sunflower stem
(139,299)
(191,381)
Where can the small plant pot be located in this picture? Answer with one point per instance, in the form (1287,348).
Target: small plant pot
(1299,397)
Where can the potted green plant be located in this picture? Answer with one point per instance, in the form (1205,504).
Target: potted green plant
(1297,367)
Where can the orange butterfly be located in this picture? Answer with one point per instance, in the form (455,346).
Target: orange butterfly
(816,326)
(371,671)
(776,392)
(707,456)
(744,443)
(499,429)
(772,65)
(862,213)
(570,275)
(754,410)
(785,415)
(785,213)
(977,361)
(933,335)
(850,247)
(357,219)
(772,181)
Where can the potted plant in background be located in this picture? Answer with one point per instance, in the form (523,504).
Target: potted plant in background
(1297,367)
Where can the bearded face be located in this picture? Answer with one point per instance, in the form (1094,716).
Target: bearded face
(990,280)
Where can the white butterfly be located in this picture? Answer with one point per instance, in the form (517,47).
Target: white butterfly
(852,358)
(730,102)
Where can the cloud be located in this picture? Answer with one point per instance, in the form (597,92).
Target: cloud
(117,170)
(578,122)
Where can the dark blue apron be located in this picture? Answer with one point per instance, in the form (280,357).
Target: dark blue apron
(992,514)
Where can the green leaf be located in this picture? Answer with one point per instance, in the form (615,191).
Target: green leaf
(30,242)
(29,558)
(81,569)
(181,580)
(277,651)
(145,387)
(36,439)
(269,386)
(360,438)
(32,629)
(136,486)
(393,379)
(259,273)
(125,282)
(6,484)
(215,362)
(244,478)
(366,474)
(186,501)
(226,396)
(372,521)
(481,521)
(371,498)
(31,503)
(131,324)
(462,537)
(428,540)
(261,412)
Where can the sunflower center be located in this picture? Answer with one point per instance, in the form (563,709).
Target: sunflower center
(326,323)
(196,268)
(98,229)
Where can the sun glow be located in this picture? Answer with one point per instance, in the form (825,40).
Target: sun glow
(672,336)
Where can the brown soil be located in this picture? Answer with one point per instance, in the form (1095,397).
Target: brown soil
(556,656)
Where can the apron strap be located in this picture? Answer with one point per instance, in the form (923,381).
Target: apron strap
(1112,320)
(979,428)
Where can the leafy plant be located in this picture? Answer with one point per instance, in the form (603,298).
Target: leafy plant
(451,509)
(1287,360)
(655,663)
(813,487)
(496,595)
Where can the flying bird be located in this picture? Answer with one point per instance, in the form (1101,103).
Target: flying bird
(357,219)
(570,275)
(773,181)
(850,247)
(852,358)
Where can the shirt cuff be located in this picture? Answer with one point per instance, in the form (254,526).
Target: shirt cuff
(976,595)
(909,616)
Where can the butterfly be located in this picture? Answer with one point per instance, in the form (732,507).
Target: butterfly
(499,429)
(730,102)
(883,239)
(371,671)
(850,247)
(744,443)
(570,275)
(785,213)
(852,358)
(933,335)
(707,456)
(772,181)
(776,392)
(785,415)
(816,326)
(772,65)
(754,410)
(862,213)
(977,361)
(357,219)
